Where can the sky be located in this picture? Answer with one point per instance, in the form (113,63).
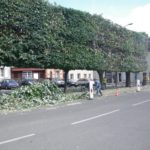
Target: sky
(122,12)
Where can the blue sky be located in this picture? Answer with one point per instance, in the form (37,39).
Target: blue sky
(119,11)
(119,7)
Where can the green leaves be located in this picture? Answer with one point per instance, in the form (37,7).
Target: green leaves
(38,94)
(38,34)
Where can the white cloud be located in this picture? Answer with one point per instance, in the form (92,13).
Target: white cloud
(139,17)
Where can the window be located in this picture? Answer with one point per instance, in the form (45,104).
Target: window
(57,74)
(78,76)
(1,72)
(27,75)
(109,77)
(71,76)
(89,76)
(85,76)
(51,74)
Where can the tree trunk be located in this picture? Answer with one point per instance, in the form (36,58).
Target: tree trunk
(100,76)
(65,77)
(128,79)
(116,79)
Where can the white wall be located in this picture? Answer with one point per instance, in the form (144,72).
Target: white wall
(54,73)
(84,74)
(7,73)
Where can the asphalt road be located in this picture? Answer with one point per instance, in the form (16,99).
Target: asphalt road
(108,123)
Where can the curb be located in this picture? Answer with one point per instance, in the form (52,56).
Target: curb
(124,90)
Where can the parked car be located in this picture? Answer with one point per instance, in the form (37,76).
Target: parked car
(71,82)
(82,82)
(27,82)
(58,82)
(9,84)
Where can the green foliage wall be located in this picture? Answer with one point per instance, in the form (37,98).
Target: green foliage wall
(38,34)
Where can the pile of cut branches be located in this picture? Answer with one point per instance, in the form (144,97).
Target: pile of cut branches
(36,95)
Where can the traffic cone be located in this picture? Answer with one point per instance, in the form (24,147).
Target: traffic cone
(117,92)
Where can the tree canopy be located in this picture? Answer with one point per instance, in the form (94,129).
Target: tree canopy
(38,34)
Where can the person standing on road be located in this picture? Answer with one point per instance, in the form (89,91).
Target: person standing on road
(98,87)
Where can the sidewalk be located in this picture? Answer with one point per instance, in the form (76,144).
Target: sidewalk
(122,90)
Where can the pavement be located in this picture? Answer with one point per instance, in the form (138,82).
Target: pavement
(122,90)
(107,123)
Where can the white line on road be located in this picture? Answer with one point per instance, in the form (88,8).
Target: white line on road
(16,139)
(51,108)
(136,104)
(94,117)
(72,104)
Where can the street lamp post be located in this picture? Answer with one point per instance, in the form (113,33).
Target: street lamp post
(129,24)
(128,81)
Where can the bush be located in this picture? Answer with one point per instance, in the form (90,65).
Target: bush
(38,94)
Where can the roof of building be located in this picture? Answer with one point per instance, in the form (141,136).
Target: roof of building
(27,69)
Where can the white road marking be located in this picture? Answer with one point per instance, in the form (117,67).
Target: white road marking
(95,117)
(16,139)
(136,104)
(72,104)
(51,108)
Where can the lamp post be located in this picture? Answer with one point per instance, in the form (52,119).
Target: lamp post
(128,80)
(129,24)
(127,73)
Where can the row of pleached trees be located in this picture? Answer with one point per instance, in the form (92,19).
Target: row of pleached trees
(38,34)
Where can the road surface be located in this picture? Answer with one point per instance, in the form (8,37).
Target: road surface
(108,123)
